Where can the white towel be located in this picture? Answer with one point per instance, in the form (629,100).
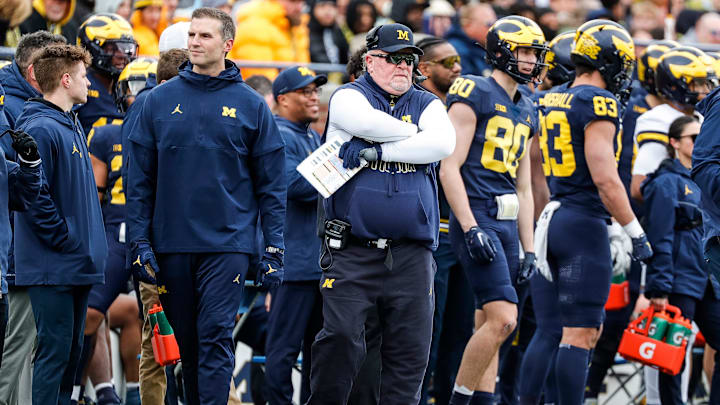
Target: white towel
(541,241)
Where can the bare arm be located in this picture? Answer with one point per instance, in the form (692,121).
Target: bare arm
(100,171)
(635,183)
(600,158)
(525,197)
(463,118)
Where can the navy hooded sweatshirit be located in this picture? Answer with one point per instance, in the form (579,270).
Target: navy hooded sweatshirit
(19,187)
(213,148)
(706,164)
(17,92)
(60,240)
(302,247)
(672,203)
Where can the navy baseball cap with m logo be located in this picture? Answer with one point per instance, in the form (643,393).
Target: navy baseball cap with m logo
(391,38)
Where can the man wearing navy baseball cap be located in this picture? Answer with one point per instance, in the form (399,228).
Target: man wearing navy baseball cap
(296,78)
(296,305)
(382,225)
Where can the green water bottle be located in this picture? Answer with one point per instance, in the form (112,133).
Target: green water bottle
(658,326)
(163,324)
(678,331)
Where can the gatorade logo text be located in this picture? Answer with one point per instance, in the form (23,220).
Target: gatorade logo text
(652,329)
(677,338)
(647,350)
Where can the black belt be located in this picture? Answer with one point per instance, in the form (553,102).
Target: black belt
(380,243)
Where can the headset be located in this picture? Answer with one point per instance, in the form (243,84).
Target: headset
(371,40)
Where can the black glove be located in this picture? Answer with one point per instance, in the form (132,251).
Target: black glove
(642,250)
(26,148)
(527,268)
(479,245)
(350,152)
(142,258)
(270,271)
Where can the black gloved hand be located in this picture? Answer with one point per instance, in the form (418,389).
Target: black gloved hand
(143,259)
(527,268)
(270,271)
(479,245)
(350,152)
(26,148)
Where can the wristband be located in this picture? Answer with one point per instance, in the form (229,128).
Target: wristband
(633,229)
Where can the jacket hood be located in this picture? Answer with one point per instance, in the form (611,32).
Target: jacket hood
(230,75)
(39,6)
(38,107)
(270,10)
(15,84)
(667,166)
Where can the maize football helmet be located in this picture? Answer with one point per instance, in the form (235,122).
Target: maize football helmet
(109,39)
(560,67)
(607,47)
(648,62)
(503,40)
(682,72)
(133,79)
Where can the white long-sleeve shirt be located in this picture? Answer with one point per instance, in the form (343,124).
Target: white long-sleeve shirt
(432,140)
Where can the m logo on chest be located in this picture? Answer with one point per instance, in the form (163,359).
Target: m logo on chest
(228,112)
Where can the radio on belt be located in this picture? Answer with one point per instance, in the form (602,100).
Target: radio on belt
(337,233)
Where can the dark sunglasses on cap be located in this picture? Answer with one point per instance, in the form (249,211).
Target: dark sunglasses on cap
(448,62)
(397,58)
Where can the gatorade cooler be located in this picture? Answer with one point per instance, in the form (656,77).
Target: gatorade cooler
(642,342)
(165,347)
(619,296)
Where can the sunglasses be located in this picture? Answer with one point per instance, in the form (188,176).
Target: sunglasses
(308,92)
(691,136)
(397,58)
(448,62)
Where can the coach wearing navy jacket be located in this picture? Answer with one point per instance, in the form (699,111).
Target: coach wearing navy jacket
(205,158)
(60,245)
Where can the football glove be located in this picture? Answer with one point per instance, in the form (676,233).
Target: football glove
(270,271)
(26,148)
(641,249)
(527,268)
(143,260)
(480,247)
(350,152)
(620,249)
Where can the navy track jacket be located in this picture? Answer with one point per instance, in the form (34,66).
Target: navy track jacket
(205,157)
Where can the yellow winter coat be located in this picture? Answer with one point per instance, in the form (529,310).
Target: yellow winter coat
(146,38)
(265,34)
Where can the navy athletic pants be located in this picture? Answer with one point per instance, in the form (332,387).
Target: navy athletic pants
(201,294)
